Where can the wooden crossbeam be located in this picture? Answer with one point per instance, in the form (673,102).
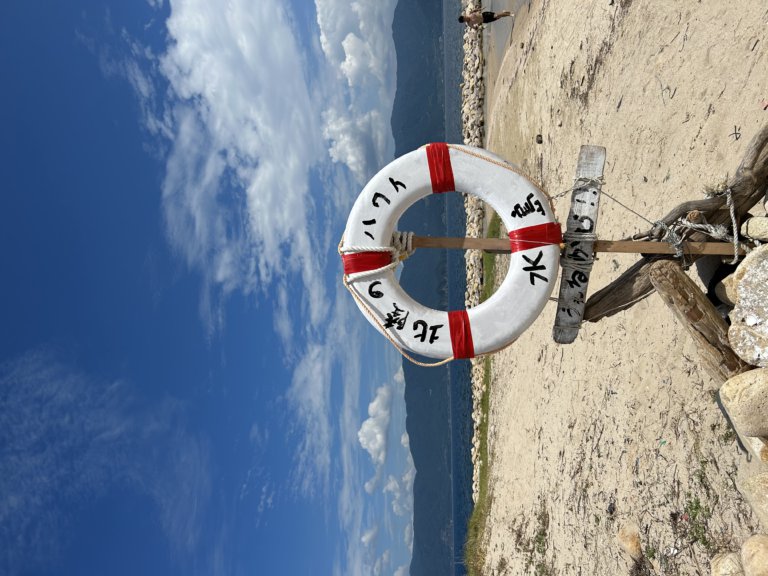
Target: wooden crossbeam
(501,246)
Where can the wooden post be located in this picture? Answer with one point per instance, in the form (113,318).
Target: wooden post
(709,331)
(578,254)
(691,306)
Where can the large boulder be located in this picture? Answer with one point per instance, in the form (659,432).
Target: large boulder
(725,290)
(755,492)
(748,334)
(745,397)
(754,555)
(756,228)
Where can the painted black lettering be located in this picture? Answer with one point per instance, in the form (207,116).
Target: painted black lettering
(370,222)
(397,185)
(578,278)
(372,292)
(396,318)
(578,254)
(582,219)
(423,325)
(527,207)
(534,268)
(376,198)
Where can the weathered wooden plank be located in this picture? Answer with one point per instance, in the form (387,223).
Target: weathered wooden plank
(641,247)
(579,238)
(501,246)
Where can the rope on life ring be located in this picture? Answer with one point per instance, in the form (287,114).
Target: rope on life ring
(348,279)
(370,253)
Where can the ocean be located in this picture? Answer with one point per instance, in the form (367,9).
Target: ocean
(427,109)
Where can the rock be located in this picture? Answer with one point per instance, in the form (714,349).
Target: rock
(725,290)
(745,396)
(754,555)
(748,334)
(756,228)
(726,565)
(629,540)
(756,255)
(755,492)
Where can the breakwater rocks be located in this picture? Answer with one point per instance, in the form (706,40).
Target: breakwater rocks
(473,132)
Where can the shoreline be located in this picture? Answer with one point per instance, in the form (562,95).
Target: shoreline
(478,73)
(473,132)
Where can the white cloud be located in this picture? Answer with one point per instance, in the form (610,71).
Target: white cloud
(408,536)
(401,492)
(373,432)
(357,60)
(282,318)
(246,128)
(266,500)
(357,41)
(370,535)
(358,140)
(68,439)
(237,195)
(350,501)
(245,121)
(258,436)
(309,397)
(381,563)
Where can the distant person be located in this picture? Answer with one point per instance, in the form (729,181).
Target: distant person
(476,18)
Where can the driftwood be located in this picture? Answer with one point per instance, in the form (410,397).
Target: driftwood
(747,187)
(699,316)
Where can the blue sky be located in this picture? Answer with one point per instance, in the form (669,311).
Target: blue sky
(185,386)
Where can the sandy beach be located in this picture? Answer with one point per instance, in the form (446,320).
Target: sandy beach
(620,430)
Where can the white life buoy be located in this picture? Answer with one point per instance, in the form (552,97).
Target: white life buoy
(370,260)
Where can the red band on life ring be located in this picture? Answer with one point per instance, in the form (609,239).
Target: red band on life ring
(440,170)
(533,236)
(461,334)
(365,261)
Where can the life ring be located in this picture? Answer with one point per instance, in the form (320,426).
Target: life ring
(369,260)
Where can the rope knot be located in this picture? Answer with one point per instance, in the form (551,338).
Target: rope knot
(671,236)
(375,259)
(402,245)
